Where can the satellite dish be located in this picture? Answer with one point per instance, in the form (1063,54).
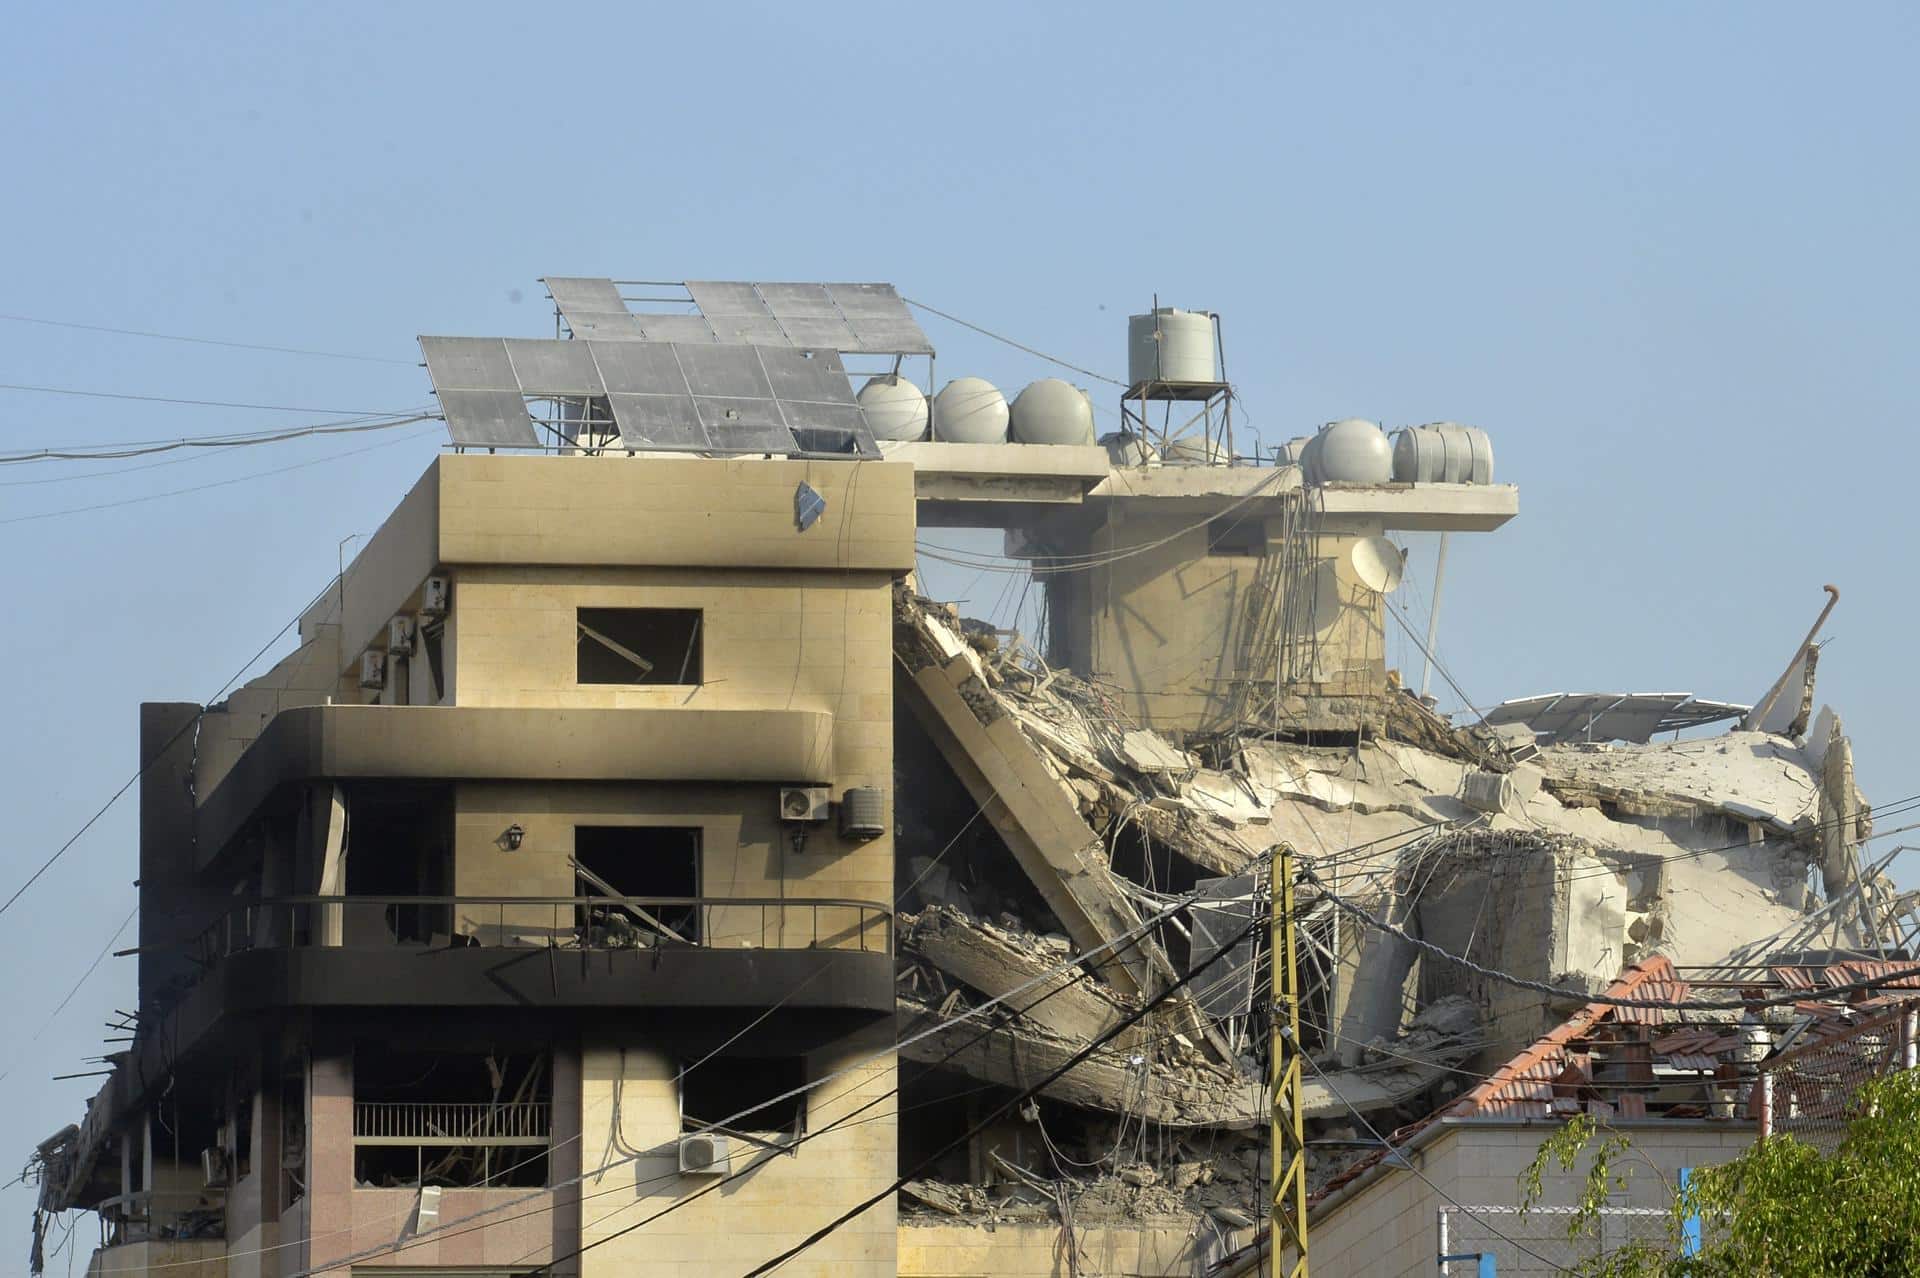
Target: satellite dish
(1377,564)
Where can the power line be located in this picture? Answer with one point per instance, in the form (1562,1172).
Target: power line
(218,483)
(115,452)
(195,403)
(1019,346)
(84,976)
(204,341)
(1581,997)
(1108,1036)
(192,724)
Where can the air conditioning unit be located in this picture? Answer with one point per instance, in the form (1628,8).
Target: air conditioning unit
(805,803)
(373,670)
(213,1167)
(400,636)
(704,1154)
(436,596)
(863,813)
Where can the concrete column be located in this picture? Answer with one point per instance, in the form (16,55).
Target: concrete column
(329,1156)
(564,1160)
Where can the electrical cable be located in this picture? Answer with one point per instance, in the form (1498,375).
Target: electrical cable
(1102,1040)
(62,1005)
(206,341)
(1019,346)
(193,403)
(115,452)
(1125,941)
(1581,997)
(218,483)
(1387,1145)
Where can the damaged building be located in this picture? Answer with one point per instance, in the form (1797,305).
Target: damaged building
(636,866)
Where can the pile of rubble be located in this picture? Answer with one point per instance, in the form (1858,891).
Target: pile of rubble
(1064,828)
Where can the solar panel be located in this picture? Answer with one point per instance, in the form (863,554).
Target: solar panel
(716,299)
(868,301)
(1610,716)
(748,330)
(554,367)
(675,328)
(729,371)
(798,301)
(660,421)
(592,307)
(725,413)
(488,419)
(468,363)
(641,368)
(815,375)
(736,438)
(821,334)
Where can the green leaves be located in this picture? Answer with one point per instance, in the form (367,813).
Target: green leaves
(1781,1209)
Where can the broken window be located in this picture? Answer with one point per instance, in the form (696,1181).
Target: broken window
(1236,535)
(451,1119)
(639,645)
(741,1094)
(659,864)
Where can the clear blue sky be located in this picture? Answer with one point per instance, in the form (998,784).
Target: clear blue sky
(1665,256)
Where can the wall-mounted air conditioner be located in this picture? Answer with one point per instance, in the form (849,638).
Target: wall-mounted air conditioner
(805,803)
(400,636)
(436,596)
(373,670)
(704,1154)
(213,1167)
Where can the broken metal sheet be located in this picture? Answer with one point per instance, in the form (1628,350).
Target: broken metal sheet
(1562,717)
(808,506)
(1223,910)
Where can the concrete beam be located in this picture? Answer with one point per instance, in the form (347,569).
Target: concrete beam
(987,960)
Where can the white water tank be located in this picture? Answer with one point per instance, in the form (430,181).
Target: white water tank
(1127,450)
(1291,453)
(1196,449)
(1443,453)
(895,407)
(970,410)
(1051,411)
(1170,345)
(1353,451)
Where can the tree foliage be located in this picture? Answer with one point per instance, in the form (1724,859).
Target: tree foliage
(1782,1209)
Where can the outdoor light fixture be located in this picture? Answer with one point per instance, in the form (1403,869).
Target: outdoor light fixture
(513,836)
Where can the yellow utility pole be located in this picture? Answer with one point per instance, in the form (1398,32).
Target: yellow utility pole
(1288,1218)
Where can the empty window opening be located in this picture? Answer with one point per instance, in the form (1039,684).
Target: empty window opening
(1236,535)
(450,1119)
(639,645)
(399,845)
(744,1094)
(658,864)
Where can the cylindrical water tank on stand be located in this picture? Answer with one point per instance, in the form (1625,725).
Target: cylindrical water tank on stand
(1353,451)
(1443,453)
(1051,411)
(895,407)
(970,410)
(1171,345)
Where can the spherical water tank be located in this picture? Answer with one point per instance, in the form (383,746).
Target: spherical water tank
(1196,450)
(1051,411)
(896,408)
(1443,453)
(1170,345)
(970,410)
(1353,451)
(1126,450)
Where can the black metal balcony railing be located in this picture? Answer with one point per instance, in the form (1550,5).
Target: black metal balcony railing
(548,922)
